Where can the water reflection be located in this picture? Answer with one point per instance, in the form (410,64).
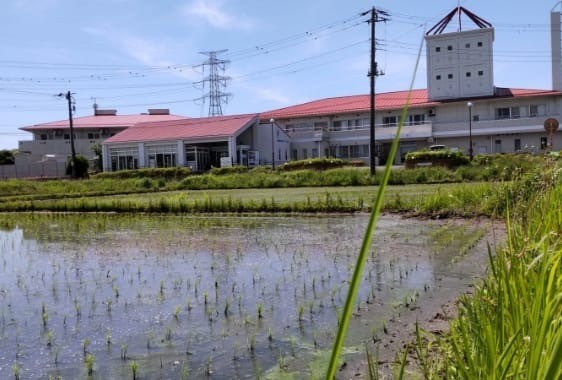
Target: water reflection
(185,296)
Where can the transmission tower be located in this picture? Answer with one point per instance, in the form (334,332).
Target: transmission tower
(214,81)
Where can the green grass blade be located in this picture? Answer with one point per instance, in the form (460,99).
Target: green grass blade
(364,252)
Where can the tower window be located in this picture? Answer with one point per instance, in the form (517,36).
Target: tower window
(467,46)
(438,49)
(480,43)
(450,47)
(438,77)
(480,73)
(468,74)
(450,76)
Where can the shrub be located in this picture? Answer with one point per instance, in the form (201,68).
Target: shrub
(81,167)
(229,170)
(166,173)
(444,157)
(314,164)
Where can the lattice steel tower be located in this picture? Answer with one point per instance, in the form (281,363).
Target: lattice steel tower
(215,82)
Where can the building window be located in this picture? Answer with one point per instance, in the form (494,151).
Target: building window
(93,136)
(450,76)
(480,73)
(336,126)
(438,49)
(543,143)
(123,158)
(450,47)
(515,113)
(43,137)
(468,74)
(533,110)
(320,125)
(416,119)
(498,146)
(365,150)
(480,44)
(475,117)
(304,153)
(502,113)
(467,46)
(314,152)
(161,156)
(66,136)
(438,77)
(294,154)
(389,121)
(517,145)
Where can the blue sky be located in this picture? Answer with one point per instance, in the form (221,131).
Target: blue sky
(131,55)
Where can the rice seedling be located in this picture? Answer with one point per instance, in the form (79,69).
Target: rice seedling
(89,364)
(44,315)
(177,311)
(123,354)
(108,338)
(16,371)
(260,315)
(85,345)
(134,369)
(50,336)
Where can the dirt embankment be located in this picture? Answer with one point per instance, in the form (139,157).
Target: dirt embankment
(433,310)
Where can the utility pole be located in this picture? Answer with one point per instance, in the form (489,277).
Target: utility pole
(216,82)
(377,15)
(69,99)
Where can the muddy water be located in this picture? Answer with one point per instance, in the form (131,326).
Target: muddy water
(187,297)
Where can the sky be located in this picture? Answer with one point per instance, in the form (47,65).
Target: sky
(132,55)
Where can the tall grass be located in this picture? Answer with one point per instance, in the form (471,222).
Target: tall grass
(367,240)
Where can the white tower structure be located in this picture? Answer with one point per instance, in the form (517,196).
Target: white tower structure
(556,46)
(460,63)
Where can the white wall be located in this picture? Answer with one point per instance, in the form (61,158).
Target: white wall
(460,64)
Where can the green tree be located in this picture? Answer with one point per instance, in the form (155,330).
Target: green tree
(82,166)
(6,157)
(97,150)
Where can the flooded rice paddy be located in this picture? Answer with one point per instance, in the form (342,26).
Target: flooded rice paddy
(188,297)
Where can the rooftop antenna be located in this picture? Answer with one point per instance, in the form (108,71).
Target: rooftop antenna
(95,105)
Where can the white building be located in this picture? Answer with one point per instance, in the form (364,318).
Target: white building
(460,105)
(199,143)
(49,151)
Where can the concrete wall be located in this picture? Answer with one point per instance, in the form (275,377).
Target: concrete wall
(47,169)
(460,64)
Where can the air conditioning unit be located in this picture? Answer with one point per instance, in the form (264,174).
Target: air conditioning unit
(431,112)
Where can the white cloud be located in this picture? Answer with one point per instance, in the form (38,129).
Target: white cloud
(214,14)
(272,95)
(144,50)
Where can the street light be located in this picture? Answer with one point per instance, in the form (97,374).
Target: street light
(272,145)
(470,153)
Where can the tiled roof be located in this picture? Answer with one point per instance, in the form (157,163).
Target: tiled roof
(102,121)
(383,101)
(186,128)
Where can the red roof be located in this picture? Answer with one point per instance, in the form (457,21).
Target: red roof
(383,101)
(102,121)
(186,128)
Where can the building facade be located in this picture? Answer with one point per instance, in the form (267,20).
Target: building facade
(198,143)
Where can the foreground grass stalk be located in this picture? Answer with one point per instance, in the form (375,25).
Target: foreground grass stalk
(367,239)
